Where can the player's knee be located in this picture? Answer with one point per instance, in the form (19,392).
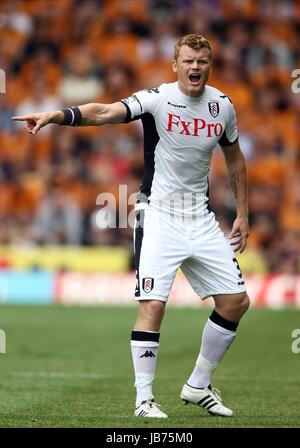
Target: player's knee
(152,308)
(245,302)
(237,305)
(242,303)
(156,308)
(150,315)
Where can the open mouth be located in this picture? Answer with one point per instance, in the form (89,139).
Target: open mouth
(194,78)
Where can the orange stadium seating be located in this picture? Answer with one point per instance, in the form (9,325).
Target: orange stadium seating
(103,50)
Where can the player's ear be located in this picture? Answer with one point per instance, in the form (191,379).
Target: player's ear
(174,66)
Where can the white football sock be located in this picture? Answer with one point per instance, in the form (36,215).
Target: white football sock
(215,342)
(144,348)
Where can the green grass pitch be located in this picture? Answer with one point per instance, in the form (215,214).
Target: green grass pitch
(71,367)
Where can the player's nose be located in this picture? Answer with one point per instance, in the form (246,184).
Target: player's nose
(194,65)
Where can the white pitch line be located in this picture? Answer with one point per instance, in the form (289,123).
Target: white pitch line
(60,375)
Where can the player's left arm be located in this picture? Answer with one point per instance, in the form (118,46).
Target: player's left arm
(237,171)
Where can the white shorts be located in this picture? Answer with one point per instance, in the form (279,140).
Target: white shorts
(163,244)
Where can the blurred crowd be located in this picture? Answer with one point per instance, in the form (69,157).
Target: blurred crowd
(67,52)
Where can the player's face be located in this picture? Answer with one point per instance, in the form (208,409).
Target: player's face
(193,69)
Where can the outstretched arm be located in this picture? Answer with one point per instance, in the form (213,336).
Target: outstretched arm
(92,114)
(237,172)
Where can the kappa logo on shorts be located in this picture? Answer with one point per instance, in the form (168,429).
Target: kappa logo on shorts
(148,283)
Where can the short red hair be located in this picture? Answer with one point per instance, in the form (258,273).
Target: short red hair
(194,41)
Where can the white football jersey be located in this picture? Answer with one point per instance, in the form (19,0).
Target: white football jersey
(180,133)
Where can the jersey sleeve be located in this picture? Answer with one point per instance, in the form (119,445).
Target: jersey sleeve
(230,135)
(141,102)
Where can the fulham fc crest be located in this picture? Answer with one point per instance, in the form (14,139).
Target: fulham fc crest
(214,108)
(148,283)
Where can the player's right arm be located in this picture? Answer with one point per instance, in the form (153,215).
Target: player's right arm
(92,114)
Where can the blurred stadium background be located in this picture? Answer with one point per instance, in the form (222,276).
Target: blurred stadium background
(67,52)
(63,362)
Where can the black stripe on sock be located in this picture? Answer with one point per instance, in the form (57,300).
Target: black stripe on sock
(219,320)
(144,336)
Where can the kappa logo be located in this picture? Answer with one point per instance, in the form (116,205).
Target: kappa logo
(177,105)
(148,354)
(214,108)
(148,283)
